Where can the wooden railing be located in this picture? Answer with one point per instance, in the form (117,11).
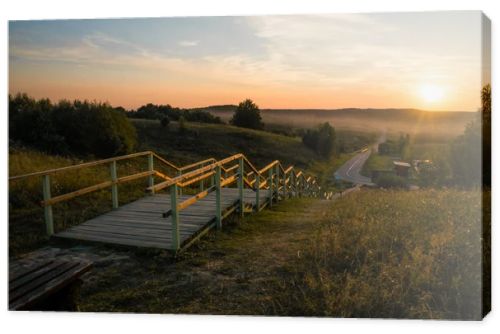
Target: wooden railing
(150,173)
(280,183)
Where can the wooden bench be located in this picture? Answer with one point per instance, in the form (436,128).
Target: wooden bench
(31,284)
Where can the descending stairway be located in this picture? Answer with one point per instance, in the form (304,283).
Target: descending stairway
(181,208)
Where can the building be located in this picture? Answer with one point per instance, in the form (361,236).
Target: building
(401,168)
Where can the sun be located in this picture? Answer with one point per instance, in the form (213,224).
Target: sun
(431,93)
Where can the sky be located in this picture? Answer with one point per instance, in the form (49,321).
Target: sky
(428,61)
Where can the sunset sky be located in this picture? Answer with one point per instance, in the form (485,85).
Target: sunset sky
(415,60)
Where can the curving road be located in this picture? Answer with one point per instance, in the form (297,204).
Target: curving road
(350,171)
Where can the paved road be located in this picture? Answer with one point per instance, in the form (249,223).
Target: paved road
(350,171)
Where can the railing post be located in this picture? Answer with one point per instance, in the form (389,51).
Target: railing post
(212,180)
(151,180)
(174,217)
(298,186)
(277,182)
(271,187)
(218,209)
(49,220)
(179,173)
(202,182)
(257,192)
(114,186)
(292,183)
(285,189)
(241,183)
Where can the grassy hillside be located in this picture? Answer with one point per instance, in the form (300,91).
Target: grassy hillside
(369,254)
(197,142)
(202,141)
(377,162)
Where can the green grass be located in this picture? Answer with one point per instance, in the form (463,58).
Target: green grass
(370,254)
(26,224)
(200,141)
(396,254)
(376,162)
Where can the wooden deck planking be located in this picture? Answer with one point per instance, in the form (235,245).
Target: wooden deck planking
(141,224)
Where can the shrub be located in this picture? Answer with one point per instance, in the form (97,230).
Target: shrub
(182,125)
(322,140)
(153,111)
(80,127)
(247,115)
(165,121)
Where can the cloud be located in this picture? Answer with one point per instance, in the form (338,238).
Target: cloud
(325,55)
(188,43)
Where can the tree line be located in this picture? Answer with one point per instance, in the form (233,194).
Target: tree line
(167,113)
(70,127)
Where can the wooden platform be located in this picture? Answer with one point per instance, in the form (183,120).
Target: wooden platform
(141,224)
(32,283)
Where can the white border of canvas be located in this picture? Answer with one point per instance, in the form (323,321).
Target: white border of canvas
(38,322)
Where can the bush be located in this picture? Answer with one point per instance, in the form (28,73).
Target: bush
(322,140)
(182,125)
(165,121)
(153,111)
(247,115)
(70,127)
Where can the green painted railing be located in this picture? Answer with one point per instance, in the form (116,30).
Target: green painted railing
(280,184)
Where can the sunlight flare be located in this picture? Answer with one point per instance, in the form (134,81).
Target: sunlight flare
(431,93)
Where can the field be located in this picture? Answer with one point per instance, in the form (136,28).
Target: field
(376,162)
(368,254)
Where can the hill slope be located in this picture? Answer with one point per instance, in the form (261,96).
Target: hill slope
(366,255)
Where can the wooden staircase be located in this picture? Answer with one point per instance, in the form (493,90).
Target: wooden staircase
(184,205)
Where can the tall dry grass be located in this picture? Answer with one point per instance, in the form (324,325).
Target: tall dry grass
(394,254)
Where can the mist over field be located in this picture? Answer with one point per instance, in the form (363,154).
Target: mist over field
(438,125)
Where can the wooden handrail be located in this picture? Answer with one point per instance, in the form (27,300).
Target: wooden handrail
(274,178)
(271,165)
(95,187)
(166,162)
(79,166)
(212,160)
(191,174)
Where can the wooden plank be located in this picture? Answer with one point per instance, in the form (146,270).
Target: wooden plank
(120,241)
(196,179)
(30,275)
(17,270)
(50,287)
(39,281)
(79,192)
(140,234)
(185,228)
(195,198)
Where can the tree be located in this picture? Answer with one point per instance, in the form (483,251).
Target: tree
(70,127)
(471,152)
(165,121)
(486,118)
(247,115)
(182,125)
(322,140)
